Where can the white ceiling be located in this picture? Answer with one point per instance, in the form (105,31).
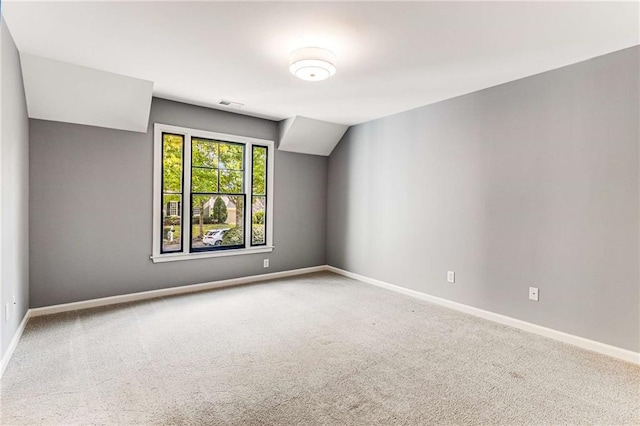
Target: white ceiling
(391,56)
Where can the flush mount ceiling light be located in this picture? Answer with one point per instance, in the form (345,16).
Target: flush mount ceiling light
(312,63)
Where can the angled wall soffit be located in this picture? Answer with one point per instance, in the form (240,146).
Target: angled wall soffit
(59,91)
(308,136)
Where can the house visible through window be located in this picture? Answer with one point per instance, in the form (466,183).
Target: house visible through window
(214,192)
(174,208)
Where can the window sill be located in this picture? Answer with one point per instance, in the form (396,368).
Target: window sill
(207,255)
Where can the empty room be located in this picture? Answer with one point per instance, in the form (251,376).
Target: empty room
(319,213)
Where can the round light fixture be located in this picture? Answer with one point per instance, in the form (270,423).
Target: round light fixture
(312,64)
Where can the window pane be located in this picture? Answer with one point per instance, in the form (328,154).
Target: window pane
(231,156)
(204,153)
(217,222)
(172,162)
(259,170)
(172,148)
(171,223)
(258,220)
(204,180)
(231,181)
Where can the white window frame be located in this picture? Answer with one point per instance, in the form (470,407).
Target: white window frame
(188,133)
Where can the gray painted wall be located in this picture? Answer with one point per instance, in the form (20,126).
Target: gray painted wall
(14,195)
(531,183)
(91,209)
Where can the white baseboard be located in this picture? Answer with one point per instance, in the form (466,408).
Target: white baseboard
(152,294)
(85,304)
(591,345)
(14,343)
(602,348)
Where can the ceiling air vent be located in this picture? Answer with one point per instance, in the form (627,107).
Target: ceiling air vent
(230,104)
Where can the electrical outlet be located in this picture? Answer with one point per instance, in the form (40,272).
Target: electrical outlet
(451,277)
(265,263)
(534,294)
(6,312)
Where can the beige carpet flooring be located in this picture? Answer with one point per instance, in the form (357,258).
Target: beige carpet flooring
(308,350)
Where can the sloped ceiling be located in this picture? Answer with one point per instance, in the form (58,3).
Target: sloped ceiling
(59,91)
(309,136)
(391,56)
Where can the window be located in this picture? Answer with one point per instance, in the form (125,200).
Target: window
(212,194)
(258,195)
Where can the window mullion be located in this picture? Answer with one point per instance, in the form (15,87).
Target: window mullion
(186,196)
